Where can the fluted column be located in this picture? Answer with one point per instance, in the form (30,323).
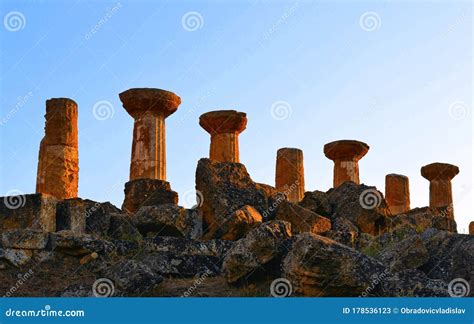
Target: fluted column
(149,108)
(224,126)
(397,193)
(346,155)
(289,175)
(440,176)
(58,161)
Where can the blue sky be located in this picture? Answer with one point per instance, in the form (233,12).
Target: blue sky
(396,75)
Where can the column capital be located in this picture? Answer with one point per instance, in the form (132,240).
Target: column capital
(439,171)
(138,101)
(346,150)
(223,121)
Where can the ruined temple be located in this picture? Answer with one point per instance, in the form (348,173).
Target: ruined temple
(242,236)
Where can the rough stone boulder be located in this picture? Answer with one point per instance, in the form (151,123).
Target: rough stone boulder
(451,256)
(34,211)
(147,192)
(240,222)
(84,216)
(68,242)
(168,220)
(274,198)
(318,202)
(184,246)
(24,239)
(362,205)
(410,253)
(319,266)
(409,283)
(121,228)
(424,218)
(16,257)
(182,266)
(131,277)
(258,248)
(344,231)
(226,187)
(302,219)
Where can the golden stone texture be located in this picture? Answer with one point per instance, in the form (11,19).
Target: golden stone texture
(397,193)
(346,155)
(58,162)
(471,228)
(224,127)
(149,107)
(289,175)
(440,176)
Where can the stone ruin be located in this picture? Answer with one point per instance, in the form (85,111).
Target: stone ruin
(241,233)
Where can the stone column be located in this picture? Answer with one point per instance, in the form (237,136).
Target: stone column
(224,127)
(148,185)
(346,155)
(471,228)
(58,162)
(289,176)
(397,193)
(440,176)
(149,108)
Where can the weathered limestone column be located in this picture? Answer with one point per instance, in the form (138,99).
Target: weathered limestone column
(440,176)
(224,127)
(397,193)
(58,162)
(346,155)
(471,228)
(149,108)
(289,177)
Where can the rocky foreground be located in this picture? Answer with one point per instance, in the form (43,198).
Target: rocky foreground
(242,239)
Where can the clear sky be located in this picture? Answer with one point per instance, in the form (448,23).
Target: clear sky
(396,75)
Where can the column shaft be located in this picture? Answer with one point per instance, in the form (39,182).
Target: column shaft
(225,147)
(149,147)
(289,176)
(345,171)
(58,160)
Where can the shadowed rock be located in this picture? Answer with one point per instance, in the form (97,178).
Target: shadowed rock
(256,249)
(302,219)
(34,211)
(226,187)
(319,266)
